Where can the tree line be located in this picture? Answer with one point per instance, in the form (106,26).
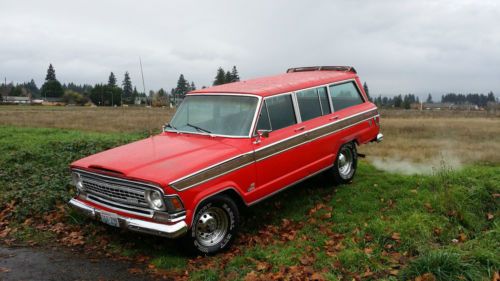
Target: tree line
(109,94)
(405,101)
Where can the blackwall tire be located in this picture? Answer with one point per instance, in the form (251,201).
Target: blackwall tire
(346,164)
(214,227)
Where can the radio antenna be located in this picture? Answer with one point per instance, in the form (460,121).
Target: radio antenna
(144,89)
(143,84)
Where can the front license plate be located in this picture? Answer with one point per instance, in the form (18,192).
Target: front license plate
(110,219)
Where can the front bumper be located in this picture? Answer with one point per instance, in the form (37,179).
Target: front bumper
(164,230)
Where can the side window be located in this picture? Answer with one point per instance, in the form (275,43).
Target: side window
(313,103)
(264,123)
(344,95)
(323,98)
(309,104)
(279,113)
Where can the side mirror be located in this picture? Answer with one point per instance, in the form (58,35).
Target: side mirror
(260,135)
(263,133)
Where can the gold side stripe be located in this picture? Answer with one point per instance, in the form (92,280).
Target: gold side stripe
(268,151)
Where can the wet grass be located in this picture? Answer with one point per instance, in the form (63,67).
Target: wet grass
(390,225)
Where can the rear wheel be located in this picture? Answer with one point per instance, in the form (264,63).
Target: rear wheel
(345,164)
(214,225)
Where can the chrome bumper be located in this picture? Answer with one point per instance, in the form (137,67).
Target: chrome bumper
(165,230)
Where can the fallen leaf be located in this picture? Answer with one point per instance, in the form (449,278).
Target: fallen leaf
(134,270)
(489,216)
(428,206)
(4,270)
(307,260)
(368,251)
(394,272)
(426,277)
(251,276)
(317,277)
(262,266)
(496,276)
(462,237)
(496,195)
(396,236)
(438,231)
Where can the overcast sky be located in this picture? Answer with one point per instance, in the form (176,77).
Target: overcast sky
(396,46)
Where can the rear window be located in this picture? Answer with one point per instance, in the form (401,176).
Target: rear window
(344,95)
(277,112)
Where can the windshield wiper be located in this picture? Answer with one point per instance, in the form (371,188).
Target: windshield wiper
(198,128)
(168,125)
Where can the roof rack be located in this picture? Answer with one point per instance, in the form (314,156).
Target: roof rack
(319,68)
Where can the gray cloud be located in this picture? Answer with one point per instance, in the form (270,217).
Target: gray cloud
(397,46)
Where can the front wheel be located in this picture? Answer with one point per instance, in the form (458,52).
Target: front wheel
(345,164)
(214,225)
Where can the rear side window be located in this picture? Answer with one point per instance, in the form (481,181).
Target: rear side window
(277,112)
(344,95)
(313,103)
(309,104)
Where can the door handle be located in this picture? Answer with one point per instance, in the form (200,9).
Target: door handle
(300,129)
(334,117)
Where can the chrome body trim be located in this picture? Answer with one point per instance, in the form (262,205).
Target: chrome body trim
(164,230)
(119,207)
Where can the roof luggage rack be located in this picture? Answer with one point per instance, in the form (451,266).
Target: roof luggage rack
(319,68)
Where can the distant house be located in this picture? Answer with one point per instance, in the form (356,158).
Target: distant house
(16,100)
(53,101)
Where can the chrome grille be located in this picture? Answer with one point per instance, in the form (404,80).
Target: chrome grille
(118,190)
(115,192)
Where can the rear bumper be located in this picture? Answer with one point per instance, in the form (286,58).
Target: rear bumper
(164,230)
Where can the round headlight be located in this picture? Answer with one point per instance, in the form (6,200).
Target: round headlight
(77,181)
(155,200)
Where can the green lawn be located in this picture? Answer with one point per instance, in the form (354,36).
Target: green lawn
(382,226)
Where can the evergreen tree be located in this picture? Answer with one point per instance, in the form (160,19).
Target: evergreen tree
(220,77)
(182,87)
(127,89)
(51,74)
(429,99)
(367,91)
(51,88)
(235,77)
(106,95)
(491,97)
(228,78)
(193,86)
(112,80)
(398,101)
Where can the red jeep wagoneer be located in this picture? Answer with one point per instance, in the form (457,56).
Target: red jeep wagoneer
(235,143)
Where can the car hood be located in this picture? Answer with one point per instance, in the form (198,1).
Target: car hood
(160,159)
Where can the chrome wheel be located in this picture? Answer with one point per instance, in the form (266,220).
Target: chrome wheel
(211,226)
(345,162)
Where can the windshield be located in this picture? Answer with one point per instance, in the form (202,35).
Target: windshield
(219,115)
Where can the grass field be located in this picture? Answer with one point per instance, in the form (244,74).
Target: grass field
(385,225)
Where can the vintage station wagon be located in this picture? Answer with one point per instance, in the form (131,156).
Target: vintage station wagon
(227,147)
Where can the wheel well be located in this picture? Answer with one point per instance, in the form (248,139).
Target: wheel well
(231,193)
